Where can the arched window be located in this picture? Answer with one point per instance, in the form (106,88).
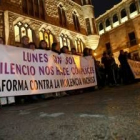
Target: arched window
(115,18)
(65,41)
(24,6)
(79,45)
(34,8)
(47,36)
(133,8)
(22,30)
(62,16)
(101,26)
(76,21)
(84,2)
(30,7)
(123,16)
(42,10)
(123,13)
(107,23)
(87,2)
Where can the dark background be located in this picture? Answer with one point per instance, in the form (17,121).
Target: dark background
(100,6)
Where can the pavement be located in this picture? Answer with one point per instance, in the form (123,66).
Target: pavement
(107,114)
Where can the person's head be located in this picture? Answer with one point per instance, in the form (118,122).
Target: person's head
(121,52)
(73,51)
(86,52)
(43,45)
(55,47)
(90,52)
(2,40)
(111,55)
(65,49)
(32,45)
(104,54)
(25,40)
(98,63)
(126,53)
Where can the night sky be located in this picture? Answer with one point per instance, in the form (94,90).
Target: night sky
(100,6)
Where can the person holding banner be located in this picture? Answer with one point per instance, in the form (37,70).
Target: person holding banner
(73,51)
(65,50)
(56,48)
(43,45)
(32,45)
(25,42)
(6,100)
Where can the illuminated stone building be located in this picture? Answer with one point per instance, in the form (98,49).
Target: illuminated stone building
(119,28)
(69,22)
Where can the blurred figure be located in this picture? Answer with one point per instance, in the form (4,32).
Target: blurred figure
(43,45)
(25,42)
(73,51)
(32,45)
(86,52)
(91,52)
(56,48)
(108,63)
(126,72)
(100,74)
(65,50)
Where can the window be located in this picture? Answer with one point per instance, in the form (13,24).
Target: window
(94,26)
(87,2)
(132,39)
(123,13)
(47,36)
(65,41)
(84,2)
(34,8)
(22,30)
(62,16)
(88,26)
(101,27)
(133,8)
(31,10)
(108,48)
(79,45)
(76,21)
(24,6)
(115,18)
(107,23)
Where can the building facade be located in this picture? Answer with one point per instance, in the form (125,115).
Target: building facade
(68,22)
(119,29)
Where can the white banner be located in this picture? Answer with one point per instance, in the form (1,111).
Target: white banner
(25,71)
(135,68)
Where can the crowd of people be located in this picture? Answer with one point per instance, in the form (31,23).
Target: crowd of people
(107,71)
(110,73)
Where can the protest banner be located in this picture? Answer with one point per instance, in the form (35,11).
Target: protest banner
(26,72)
(135,68)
